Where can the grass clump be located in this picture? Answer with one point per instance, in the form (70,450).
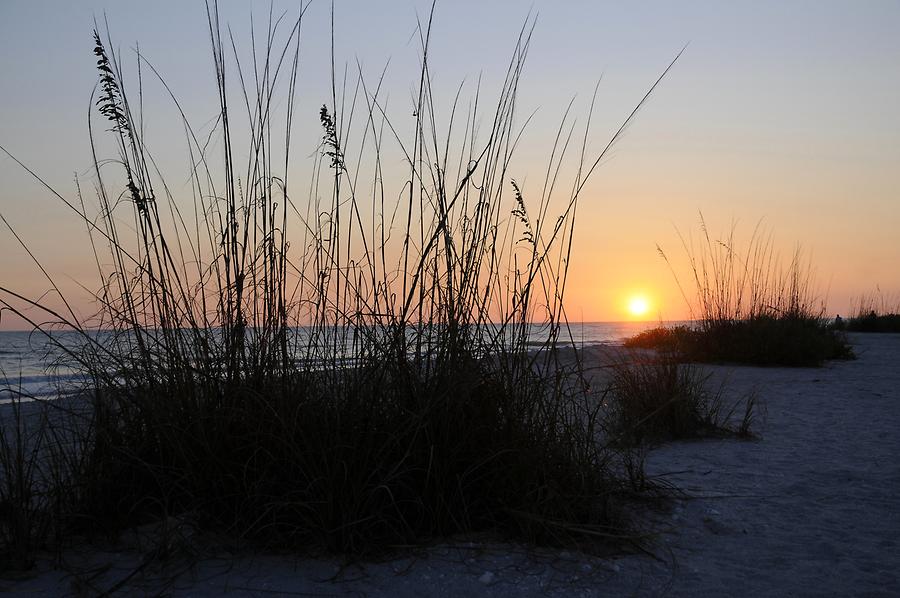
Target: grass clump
(670,340)
(762,341)
(358,461)
(34,477)
(658,399)
(22,509)
(874,312)
(748,308)
(362,383)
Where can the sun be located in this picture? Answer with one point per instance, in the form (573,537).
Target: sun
(638,305)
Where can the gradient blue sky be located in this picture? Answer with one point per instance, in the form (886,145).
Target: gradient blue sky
(785,111)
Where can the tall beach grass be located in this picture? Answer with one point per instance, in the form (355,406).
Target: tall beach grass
(654,398)
(873,312)
(748,305)
(346,369)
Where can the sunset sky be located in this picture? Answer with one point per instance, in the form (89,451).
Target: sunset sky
(780,112)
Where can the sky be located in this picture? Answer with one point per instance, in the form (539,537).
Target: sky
(781,112)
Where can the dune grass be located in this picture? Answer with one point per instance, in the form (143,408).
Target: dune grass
(350,372)
(874,312)
(748,307)
(23,511)
(655,399)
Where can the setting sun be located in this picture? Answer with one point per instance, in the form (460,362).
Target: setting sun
(638,305)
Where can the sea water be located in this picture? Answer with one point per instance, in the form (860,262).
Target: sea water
(34,366)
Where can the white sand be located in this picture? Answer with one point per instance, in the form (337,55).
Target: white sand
(812,508)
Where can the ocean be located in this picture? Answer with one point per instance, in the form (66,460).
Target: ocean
(32,366)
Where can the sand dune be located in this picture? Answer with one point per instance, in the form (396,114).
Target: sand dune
(810,508)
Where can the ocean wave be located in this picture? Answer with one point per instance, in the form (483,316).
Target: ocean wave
(47,386)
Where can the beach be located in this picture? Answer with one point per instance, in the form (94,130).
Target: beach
(436,299)
(808,508)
